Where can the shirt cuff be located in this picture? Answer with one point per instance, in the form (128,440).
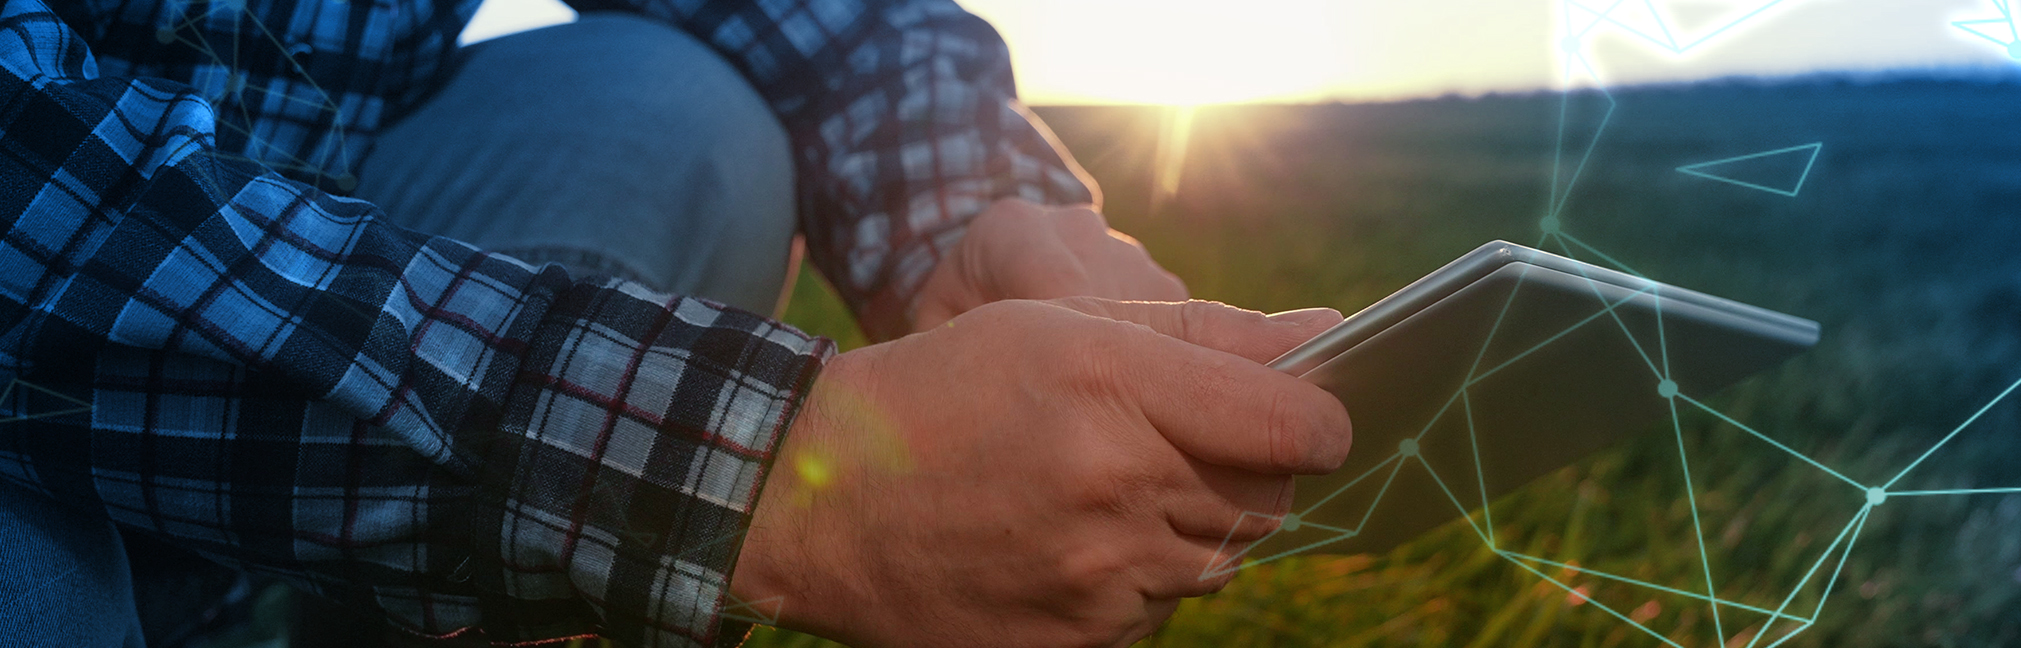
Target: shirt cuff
(636,441)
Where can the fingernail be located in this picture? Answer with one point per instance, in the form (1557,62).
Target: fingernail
(1308,317)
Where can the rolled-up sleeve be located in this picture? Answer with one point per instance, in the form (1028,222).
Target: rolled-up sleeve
(905,120)
(198,349)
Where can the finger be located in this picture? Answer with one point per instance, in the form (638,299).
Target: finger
(1188,566)
(1217,407)
(1132,273)
(1215,325)
(1226,503)
(1140,275)
(1236,413)
(1113,264)
(1233,412)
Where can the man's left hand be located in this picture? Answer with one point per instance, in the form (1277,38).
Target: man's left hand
(1020,250)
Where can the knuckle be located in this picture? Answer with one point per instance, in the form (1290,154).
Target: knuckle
(1085,574)
(1216,325)
(1198,322)
(1087,361)
(1289,445)
(1108,489)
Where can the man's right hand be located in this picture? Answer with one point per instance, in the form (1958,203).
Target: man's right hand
(1036,473)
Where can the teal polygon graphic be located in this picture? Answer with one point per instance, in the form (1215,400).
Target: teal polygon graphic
(15,398)
(763,611)
(1662,31)
(1726,170)
(2000,31)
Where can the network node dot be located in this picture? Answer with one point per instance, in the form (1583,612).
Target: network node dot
(2014,49)
(1549,224)
(1667,388)
(1291,522)
(164,36)
(1571,44)
(1409,447)
(347,182)
(1875,496)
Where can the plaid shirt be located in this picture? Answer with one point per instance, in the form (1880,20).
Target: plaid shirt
(271,375)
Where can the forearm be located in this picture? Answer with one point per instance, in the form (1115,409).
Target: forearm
(904,121)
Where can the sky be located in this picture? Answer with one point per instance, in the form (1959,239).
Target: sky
(1296,51)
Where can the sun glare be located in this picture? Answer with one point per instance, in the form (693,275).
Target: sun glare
(1177,52)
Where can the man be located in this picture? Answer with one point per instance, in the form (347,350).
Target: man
(462,402)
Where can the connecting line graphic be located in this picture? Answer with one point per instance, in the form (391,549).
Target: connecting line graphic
(9,393)
(1408,453)
(1230,557)
(1561,189)
(2000,31)
(1666,36)
(1701,169)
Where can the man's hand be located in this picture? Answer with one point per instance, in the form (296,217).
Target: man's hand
(1035,473)
(1020,250)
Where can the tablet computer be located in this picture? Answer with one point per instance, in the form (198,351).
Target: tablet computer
(1504,365)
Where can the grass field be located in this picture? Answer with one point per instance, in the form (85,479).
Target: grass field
(1902,243)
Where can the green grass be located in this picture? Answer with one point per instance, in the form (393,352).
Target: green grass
(1900,246)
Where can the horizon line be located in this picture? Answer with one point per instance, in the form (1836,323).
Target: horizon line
(1992,74)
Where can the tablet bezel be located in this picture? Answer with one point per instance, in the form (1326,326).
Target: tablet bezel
(1486,259)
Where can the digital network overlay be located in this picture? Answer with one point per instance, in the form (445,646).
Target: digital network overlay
(1582,19)
(1568,167)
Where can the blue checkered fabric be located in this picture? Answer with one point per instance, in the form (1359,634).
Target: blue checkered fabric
(902,113)
(280,380)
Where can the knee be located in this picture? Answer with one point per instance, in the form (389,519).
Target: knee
(678,103)
(628,124)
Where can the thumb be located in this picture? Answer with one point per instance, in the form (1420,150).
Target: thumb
(1247,333)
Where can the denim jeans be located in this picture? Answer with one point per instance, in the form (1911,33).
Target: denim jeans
(614,145)
(63,576)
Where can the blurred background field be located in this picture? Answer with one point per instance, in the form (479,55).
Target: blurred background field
(1902,243)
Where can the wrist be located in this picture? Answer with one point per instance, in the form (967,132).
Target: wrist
(784,557)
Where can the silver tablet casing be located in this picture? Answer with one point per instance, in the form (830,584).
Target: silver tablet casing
(1504,365)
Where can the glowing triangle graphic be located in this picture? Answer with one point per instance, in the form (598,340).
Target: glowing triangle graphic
(1748,170)
(1998,30)
(763,611)
(1233,557)
(1707,21)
